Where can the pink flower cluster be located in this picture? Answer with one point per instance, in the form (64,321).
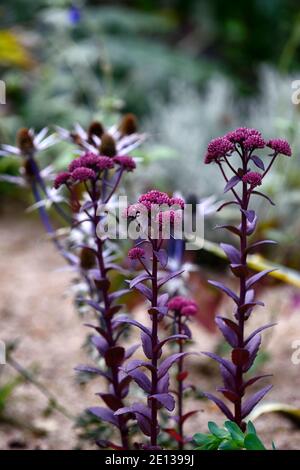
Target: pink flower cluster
(92,161)
(280,146)
(127,163)
(247,138)
(136,253)
(218,148)
(253,178)
(183,305)
(158,198)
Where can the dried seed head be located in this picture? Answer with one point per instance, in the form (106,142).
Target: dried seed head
(87,258)
(25,141)
(107,146)
(96,129)
(128,124)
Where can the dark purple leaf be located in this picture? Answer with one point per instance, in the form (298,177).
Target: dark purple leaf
(224,362)
(231,252)
(114,356)
(135,364)
(250,214)
(142,380)
(92,370)
(145,291)
(253,380)
(252,401)
(262,242)
(113,402)
(230,228)
(227,204)
(131,350)
(228,379)
(167,363)
(144,424)
(104,415)
(117,294)
(130,321)
(227,332)
(252,346)
(251,226)
(221,405)
(142,414)
(162,257)
(170,338)
(158,310)
(147,345)
(229,292)
(100,343)
(258,162)
(165,399)
(258,330)
(240,356)
(258,193)
(140,278)
(163,384)
(91,303)
(232,183)
(257,277)
(186,330)
(229,394)
(239,270)
(168,277)
(100,330)
(162,300)
(245,307)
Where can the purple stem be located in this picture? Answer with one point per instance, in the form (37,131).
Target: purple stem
(178,320)
(154,337)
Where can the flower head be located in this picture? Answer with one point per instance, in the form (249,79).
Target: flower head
(241,134)
(183,305)
(280,146)
(127,163)
(62,178)
(83,174)
(253,178)
(176,201)
(92,161)
(136,253)
(254,141)
(217,149)
(154,197)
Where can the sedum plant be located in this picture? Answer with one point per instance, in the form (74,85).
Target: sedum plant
(243,183)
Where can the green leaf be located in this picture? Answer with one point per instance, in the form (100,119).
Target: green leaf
(229,445)
(235,432)
(273,446)
(252,442)
(250,428)
(201,439)
(216,431)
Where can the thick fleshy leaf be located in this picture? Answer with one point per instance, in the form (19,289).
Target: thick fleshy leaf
(229,394)
(240,356)
(113,402)
(130,321)
(131,350)
(92,370)
(100,343)
(142,414)
(258,193)
(250,305)
(171,338)
(221,405)
(224,362)
(104,415)
(258,330)
(114,356)
(162,257)
(239,270)
(230,228)
(253,380)
(140,278)
(227,332)
(251,226)
(165,399)
(145,291)
(229,292)
(253,347)
(135,364)
(163,384)
(231,252)
(250,214)
(232,183)
(167,363)
(228,379)
(260,243)
(257,277)
(258,162)
(252,401)
(142,380)
(168,277)
(147,345)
